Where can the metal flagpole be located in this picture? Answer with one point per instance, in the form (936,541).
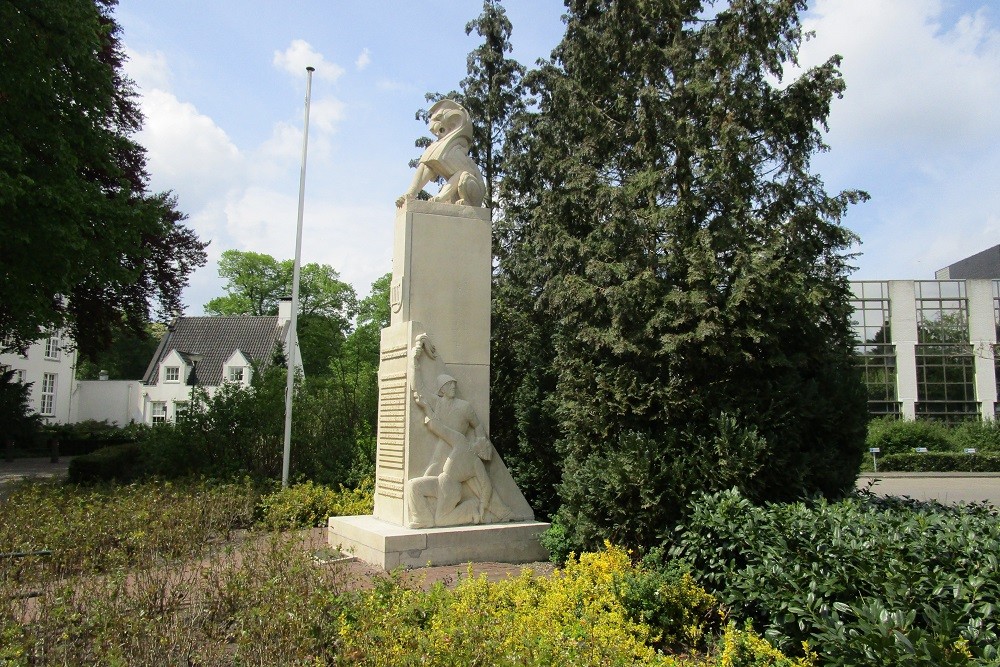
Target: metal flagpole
(293,326)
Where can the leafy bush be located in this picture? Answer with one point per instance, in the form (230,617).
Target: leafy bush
(556,541)
(657,473)
(865,581)
(89,436)
(669,601)
(574,617)
(307,504)
(901,436)
(122,463)
(239,431)
(940,462)
(983,436)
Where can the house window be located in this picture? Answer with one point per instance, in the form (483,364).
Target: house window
(158,411)
(19,376)
(236,374)
(180,411)
(171,374)
(48,407)
(52,346)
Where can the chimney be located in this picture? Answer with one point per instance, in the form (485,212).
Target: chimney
(284,310)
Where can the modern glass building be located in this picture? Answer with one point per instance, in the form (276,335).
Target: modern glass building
(927,347)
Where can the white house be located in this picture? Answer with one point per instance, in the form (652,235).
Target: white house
(210,351)
(49,365)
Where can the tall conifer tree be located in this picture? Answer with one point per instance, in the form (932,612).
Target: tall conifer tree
(683,269)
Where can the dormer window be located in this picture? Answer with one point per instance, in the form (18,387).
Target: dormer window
(236,374)
(171,374)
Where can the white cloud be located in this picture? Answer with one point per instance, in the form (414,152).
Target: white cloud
(301,54)
(364,59)
(395,86)
(911,82)
(187,151)
(326,113)
(149,70)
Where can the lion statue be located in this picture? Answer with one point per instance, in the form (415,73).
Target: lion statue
(448,158)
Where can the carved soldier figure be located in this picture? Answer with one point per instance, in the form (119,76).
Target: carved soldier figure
(435,499)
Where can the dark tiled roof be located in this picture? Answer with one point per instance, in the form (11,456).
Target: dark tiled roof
(216,338)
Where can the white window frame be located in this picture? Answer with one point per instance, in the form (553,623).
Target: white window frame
(180,410)
(47,401)
(232,371)
(19,375)
(176,372)
(156,416)
(52,346)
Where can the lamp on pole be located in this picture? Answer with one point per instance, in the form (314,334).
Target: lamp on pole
(290,380)
(192,379)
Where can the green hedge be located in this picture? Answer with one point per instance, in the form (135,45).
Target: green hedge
(900,436)
(865,581)
(121,463)
(940,462)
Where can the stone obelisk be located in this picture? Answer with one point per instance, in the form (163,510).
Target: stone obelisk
(442,492)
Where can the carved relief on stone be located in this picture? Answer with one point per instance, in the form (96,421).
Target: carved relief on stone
(448,158)
(456,488)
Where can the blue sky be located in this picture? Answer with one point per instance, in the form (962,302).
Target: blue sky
(223,84)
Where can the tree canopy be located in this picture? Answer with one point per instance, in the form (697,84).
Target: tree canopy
(256,282)
(678,272)
(86,246)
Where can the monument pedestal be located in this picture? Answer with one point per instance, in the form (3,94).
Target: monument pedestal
(434,463)
(389,546)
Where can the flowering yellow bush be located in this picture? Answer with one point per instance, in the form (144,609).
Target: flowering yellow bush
(573,617)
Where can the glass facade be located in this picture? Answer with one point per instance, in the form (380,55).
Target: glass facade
(876,353)
(946,375)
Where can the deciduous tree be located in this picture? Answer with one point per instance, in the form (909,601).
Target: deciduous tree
(257,282)
(85,245)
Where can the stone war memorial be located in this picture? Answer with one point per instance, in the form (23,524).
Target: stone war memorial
(442,492)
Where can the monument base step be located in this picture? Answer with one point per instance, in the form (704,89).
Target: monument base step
(388,546)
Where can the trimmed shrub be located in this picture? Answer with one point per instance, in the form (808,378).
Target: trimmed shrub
(865,581)
(121,463)
(89,436)
(307,504)
(983,436)
(899,436)
(940,462)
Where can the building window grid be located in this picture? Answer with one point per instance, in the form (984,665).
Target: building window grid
(158,410)
(236,374)
(876,353)
(946,372)
(48,400)
(171,374)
